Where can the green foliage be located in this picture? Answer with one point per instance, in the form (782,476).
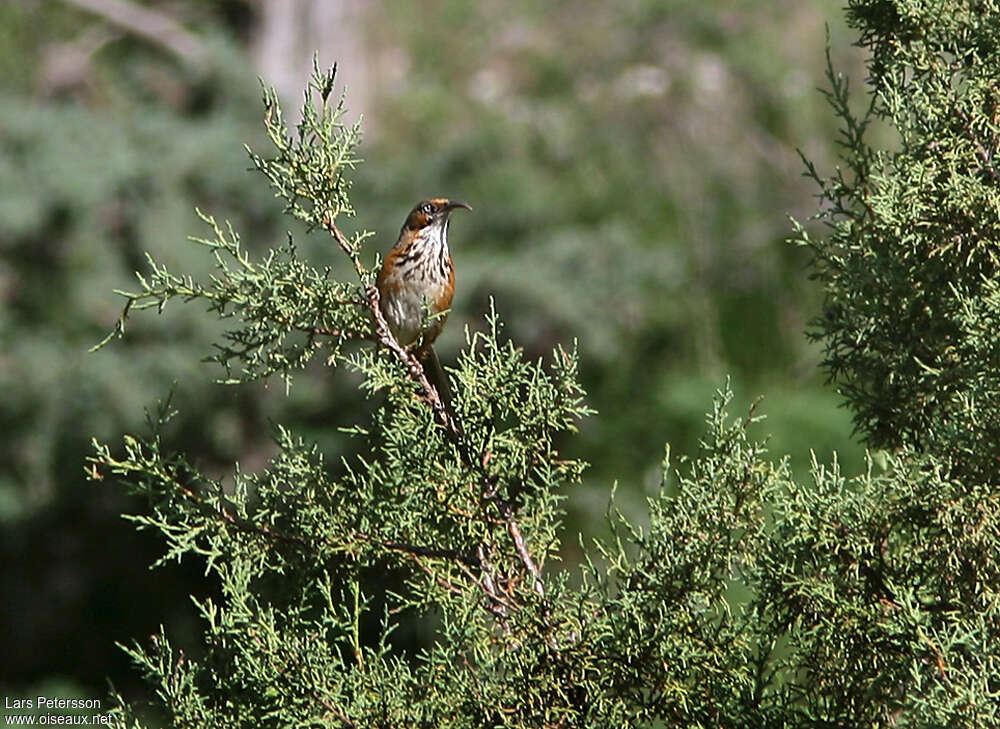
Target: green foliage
(640,151)
(886,592)
(678,648)
(910,264)
(747,599)
(887,584)
(309,170)
(281,303)
(455,507)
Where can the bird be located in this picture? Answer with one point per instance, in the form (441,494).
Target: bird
(416,284)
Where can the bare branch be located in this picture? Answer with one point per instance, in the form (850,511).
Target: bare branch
(155,27)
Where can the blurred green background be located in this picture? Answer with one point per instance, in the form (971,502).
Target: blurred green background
(631,164)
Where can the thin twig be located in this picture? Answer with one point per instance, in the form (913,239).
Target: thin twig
(522,549)
(416,550)
(497,605)
(446,584)
(985,154)
(334,333)
(244,525)
(336,713)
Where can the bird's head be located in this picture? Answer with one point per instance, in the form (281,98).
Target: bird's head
(434,211)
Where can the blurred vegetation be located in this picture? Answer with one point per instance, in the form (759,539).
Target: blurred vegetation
(632,169)
(632,172)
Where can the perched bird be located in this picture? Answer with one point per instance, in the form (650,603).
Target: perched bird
(417,282)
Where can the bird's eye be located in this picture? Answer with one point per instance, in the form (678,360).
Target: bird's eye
(427,209)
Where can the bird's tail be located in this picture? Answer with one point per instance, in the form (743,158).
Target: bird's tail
(439,379)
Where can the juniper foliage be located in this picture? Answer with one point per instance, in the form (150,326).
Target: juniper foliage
(750,599)
(910,263)
(890,581)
